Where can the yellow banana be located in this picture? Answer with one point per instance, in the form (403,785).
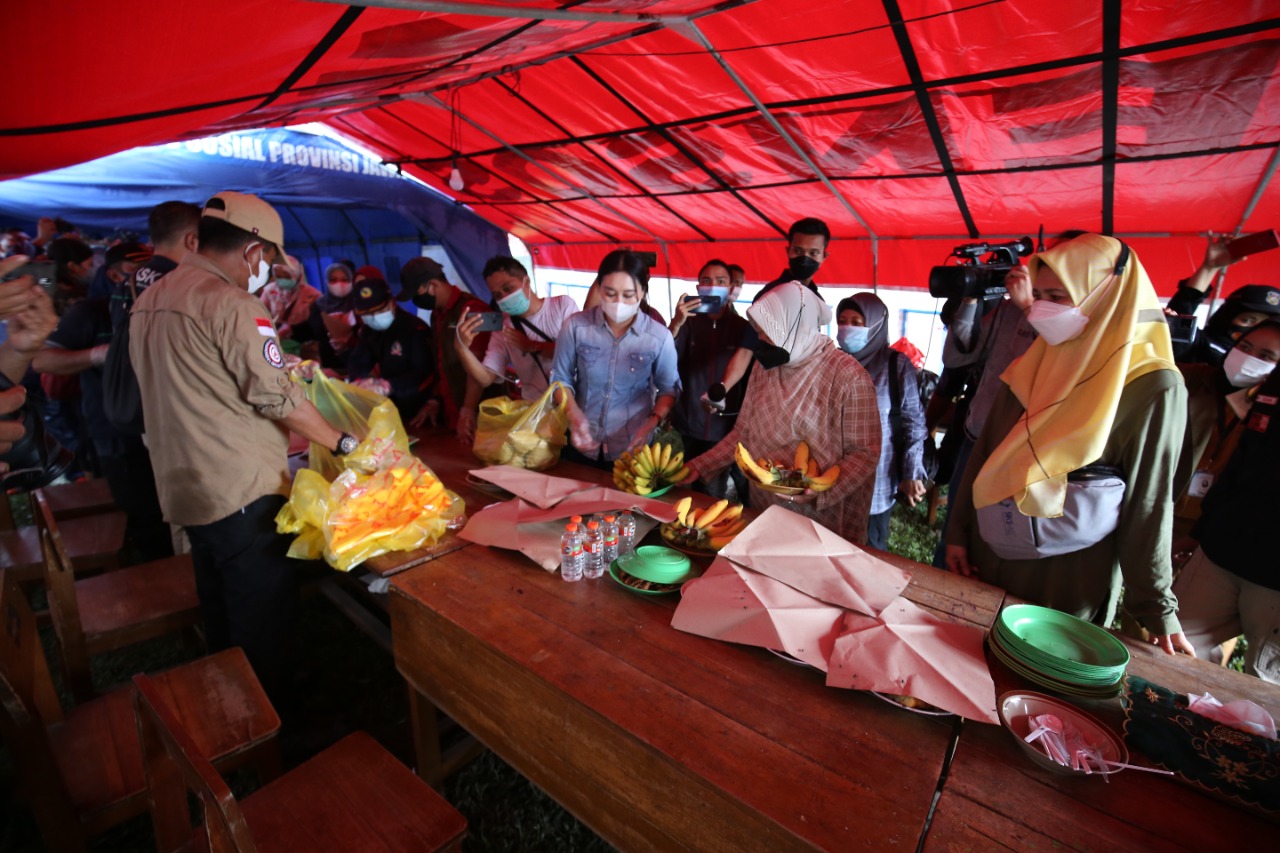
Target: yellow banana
(827,480)
(680,475)
(802,457)
(675,463)
(731,514)
(665,460)
(691,519)
(747,464)
(712,513)
(682,509)
(813,470)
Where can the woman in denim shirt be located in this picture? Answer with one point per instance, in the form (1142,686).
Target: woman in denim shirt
(619,364)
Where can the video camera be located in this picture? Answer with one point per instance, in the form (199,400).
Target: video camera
(972,278)
(37,459)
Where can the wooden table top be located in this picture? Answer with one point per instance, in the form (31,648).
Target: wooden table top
(657,738)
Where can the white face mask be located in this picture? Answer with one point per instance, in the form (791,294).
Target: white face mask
(1244,370)
(852,338)
(257,280)
(381,321)
(1056,323)
(620,312)
(340,289)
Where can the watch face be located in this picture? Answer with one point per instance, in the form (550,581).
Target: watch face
(347,444)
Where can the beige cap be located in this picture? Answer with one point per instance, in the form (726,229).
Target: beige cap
(248,213)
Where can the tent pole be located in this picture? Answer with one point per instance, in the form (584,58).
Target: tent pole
(437,102)
(523,13)
(1263,182)
(691,30)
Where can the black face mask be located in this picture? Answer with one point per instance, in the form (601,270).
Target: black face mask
(803,267)
(771,356)
(425,301)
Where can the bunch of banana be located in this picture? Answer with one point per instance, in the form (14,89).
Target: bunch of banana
(801,472)
(651,468)
(706,529)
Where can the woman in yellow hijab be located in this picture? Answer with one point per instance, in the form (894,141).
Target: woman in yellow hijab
(1069,492)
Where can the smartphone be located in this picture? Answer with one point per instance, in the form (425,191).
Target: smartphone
(44,272)
(490,321)
(710,304)
(1252,244)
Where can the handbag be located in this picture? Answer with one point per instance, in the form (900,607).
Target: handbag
(1090,513)
(524,433)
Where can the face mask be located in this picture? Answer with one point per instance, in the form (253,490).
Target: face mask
(714,290)
(852,338)
(381,321)
(340,289)
(425,301)
(803,267)
(771,356)
(516,304)
(620,312)
(259,279)
(1056,323)
(1244,370)
(286,283)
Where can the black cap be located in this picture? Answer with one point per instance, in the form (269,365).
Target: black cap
(416,273)
(370,294)
(133,251)
(1256,297)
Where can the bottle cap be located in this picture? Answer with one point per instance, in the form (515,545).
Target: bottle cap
(591,525)
(609,517)
(576,519)
(571,528)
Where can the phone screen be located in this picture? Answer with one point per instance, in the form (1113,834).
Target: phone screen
(710,305)
(491,321)
(44,272)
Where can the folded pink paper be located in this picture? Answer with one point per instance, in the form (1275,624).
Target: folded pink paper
(738,605)
(539,489)
(807,556)
(909,651)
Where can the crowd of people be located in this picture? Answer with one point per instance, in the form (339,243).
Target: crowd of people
(1093,458)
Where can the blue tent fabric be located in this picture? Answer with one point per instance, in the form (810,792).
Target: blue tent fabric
(335,202)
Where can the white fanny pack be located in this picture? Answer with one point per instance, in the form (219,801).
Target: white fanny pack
(1090,513)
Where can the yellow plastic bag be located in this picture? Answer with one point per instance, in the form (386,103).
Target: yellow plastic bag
(375,500)
(370,417)
(522,433)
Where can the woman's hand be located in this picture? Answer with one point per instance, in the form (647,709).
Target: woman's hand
(467,427)
(958,561)
(519,340)
(808,496)
(1172,644)
(912,490)
(428,415)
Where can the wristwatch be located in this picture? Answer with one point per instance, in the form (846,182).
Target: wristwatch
(346,444)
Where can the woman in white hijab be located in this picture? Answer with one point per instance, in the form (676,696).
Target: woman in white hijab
(803,388)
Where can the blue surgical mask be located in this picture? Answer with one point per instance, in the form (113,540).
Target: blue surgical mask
(852,338)
(516,304)
(714,290)
(381,321)
(286,283)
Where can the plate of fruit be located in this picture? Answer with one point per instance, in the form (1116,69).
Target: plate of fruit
(787,477)
(651,471)
(703,531)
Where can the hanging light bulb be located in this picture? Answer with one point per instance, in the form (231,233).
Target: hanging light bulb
(455,178)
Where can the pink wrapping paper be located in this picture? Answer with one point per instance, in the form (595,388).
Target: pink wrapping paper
(804,555)
(541,490)
(911,652)
(741,606)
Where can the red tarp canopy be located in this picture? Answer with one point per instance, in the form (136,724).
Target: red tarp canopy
(699,129)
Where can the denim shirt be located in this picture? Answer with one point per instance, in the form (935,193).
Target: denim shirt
(615,380)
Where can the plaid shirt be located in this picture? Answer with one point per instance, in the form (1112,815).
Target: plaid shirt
(829,401)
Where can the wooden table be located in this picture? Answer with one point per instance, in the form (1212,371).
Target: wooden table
(658,739)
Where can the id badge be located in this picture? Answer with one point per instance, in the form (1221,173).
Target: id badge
(1201,481)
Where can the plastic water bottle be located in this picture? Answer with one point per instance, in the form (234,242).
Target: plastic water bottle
(610,532)
(593,551)
(571,556)
(626,533)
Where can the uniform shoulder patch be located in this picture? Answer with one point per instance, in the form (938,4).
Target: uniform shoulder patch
(271,352)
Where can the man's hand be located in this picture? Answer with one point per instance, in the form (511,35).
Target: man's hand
(98,355)
(1172,644)
(683,310)
(11,431)
(377,386)
(467,427)
(27,308)
(580,435)
(521,341)
(468,328)
(958,561)
(428,415)
(1018,283)
(912,490)
(46,230)
(1216,255)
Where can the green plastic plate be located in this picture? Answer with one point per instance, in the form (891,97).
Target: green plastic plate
(1060,638)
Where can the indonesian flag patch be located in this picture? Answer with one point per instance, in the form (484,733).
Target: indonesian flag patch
(265,328)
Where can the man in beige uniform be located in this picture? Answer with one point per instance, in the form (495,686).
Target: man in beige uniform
(217,400)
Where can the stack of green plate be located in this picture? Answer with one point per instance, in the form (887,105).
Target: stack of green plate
(1058,651)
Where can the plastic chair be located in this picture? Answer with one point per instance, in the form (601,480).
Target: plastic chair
(353,796)
(81,770)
